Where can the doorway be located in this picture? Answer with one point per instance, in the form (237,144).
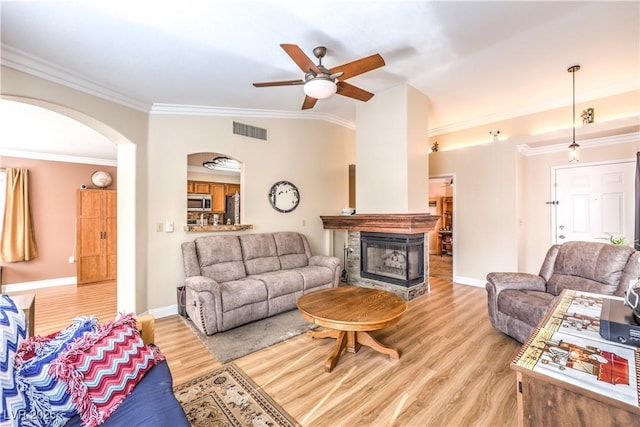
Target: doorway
(442,239)
(594,202)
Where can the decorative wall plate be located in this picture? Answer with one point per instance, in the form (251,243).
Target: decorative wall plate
(101,179)
(284,196)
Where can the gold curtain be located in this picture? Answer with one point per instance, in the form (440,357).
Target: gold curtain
(18,242)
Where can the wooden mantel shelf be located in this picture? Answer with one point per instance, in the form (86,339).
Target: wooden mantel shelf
(409,223)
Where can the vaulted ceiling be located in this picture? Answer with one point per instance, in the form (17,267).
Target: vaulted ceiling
(476,61)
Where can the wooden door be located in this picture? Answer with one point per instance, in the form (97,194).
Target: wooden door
(111,235)
(96,236)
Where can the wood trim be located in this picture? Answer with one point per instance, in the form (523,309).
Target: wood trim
(382,223)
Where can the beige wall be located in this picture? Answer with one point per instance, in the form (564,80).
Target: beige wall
(127,128)
(553,125)
(52,187)
(152,173)
(312,154)
(501,219)
(485,214)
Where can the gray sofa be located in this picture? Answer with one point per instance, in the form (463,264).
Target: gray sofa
(234,280)
(518,301)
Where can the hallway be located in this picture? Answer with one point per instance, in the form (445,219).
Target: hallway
(441,266)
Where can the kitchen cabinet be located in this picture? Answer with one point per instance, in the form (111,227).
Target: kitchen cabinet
(198,187)
(96,238)
(232,189)
(218,197)
(201,187)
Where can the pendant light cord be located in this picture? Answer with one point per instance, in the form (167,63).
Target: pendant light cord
(574,105)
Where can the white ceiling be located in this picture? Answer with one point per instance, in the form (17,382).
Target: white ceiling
(476,61)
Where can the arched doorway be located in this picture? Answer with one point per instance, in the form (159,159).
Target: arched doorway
(127,300)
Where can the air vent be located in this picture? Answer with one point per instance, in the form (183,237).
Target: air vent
(250,131)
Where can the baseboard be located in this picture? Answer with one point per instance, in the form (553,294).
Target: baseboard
(469,281)
(161,312)
(38,284)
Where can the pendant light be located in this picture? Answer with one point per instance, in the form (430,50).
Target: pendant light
(573,148)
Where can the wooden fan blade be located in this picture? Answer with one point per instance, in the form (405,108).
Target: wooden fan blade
(359,66)
(300,58)
(282,83)
(309,102)
(346,89)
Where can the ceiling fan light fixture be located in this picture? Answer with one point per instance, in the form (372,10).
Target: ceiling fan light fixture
(320,87)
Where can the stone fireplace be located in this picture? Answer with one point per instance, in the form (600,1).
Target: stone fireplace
(396,242)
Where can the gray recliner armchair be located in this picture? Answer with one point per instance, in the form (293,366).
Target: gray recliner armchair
(518,301)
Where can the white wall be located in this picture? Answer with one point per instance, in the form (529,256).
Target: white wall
(391,152)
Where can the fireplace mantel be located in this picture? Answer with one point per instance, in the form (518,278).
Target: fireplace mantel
(409,223)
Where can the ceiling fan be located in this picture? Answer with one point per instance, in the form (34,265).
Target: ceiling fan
(320,82)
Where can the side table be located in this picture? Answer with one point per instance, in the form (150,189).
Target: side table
(27,303)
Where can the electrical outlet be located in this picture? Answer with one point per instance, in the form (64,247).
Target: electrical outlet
(72,259)
(168,226)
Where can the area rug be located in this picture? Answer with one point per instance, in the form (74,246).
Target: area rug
(246,339)
(227,397)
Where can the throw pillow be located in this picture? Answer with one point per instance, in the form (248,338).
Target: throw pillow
(48,403)
(13,331)
(102,368)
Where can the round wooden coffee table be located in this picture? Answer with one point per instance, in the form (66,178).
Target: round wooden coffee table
(348,313)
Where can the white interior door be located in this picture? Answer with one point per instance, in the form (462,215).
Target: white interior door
(594,202)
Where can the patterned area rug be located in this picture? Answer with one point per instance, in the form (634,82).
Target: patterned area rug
(227,397)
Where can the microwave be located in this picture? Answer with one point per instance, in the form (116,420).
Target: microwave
(198,202)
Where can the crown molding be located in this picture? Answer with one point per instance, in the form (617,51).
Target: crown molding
(540,108)
(527,150)
(30,64)
(57,157)
(201,110)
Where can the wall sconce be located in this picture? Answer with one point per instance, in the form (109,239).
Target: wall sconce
(587,116)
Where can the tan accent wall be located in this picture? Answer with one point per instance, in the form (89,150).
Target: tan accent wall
(52,188)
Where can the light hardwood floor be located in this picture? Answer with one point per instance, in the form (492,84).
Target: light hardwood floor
(453,368)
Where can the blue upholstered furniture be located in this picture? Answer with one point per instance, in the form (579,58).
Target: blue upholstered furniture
(37,375)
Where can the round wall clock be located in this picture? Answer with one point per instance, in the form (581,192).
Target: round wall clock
(284,196)
(101,179)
